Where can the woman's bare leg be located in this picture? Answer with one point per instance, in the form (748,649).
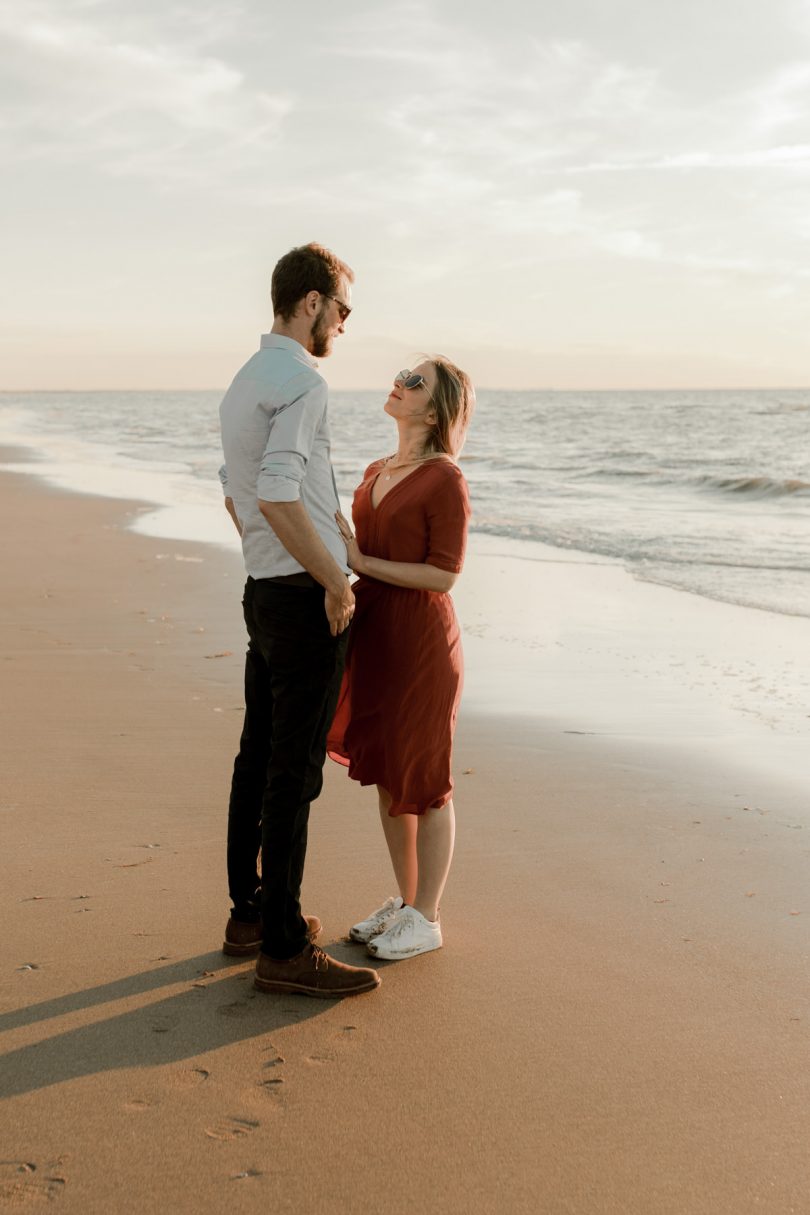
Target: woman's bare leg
(400,835)
(435,837)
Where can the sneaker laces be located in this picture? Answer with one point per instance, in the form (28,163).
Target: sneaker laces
(400,925)
(382,912)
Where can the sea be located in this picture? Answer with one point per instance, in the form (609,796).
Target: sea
(705,491)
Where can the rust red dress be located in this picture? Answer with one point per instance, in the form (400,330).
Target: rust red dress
(397,709)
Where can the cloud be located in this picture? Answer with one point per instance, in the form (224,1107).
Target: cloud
(79,91)
(565,226)
(452,94)
(737,128)
(479,133)
(792,156)
(783,100)
(448,155)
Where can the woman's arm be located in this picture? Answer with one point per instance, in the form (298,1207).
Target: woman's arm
(416,575)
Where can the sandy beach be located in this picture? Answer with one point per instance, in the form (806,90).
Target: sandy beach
(618,1023)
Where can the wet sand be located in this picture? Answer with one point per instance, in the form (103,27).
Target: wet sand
(618,1022)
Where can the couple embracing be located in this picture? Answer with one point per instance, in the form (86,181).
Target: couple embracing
(381,696)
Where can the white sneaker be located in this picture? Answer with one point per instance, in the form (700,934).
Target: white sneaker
(409,934)
(377,922)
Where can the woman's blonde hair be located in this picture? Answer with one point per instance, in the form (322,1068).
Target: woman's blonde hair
(453,401)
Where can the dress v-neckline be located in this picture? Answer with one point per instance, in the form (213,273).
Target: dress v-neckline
(395,486)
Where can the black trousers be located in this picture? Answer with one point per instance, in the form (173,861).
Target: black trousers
(293,671)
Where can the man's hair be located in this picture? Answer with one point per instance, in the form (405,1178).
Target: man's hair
(307,268)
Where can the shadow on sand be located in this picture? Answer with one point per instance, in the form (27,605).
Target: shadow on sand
(223,1008)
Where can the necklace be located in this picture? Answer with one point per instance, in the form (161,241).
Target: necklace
(406,463)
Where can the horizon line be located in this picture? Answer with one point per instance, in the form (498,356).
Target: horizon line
(479,388)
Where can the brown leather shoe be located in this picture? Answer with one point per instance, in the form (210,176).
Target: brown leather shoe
(243,939)
(313,973)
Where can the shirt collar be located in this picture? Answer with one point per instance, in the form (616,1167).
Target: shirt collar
(276,341)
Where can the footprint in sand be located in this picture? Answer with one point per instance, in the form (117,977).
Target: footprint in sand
(162,1024)
(237,1008)
(23,1183)
(271,1082)
(232,1128)
(330,1053)
(190,1077)
(272,1086)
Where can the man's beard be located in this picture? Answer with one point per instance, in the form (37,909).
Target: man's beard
(320,342)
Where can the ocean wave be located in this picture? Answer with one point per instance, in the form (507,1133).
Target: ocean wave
(745,484)
(747,596)
(778,409)
(758,487)
(619,548)
(712,577)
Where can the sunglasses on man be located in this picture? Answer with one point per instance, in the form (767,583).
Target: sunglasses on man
(343,309)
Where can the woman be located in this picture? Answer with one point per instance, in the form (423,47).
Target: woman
(395,719)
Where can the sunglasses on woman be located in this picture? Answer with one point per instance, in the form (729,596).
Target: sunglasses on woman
(411,379)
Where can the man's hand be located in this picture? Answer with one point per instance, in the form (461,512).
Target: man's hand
(231,509)
(339,609)
(296,531)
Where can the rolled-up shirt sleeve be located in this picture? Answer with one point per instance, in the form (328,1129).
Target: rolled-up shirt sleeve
(223,478)
(289,446)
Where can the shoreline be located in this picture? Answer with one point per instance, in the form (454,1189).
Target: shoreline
(186,506)
(576,643)
(643,666)
(616,1025)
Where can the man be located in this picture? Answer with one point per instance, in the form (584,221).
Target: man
(280,491)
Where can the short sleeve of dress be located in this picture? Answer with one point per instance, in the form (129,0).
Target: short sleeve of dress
(448,516)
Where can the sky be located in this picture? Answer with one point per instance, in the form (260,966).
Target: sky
(556,195)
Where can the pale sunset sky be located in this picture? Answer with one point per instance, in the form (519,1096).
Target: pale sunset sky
(558,195)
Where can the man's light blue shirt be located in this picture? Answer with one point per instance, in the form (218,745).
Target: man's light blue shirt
(275,437)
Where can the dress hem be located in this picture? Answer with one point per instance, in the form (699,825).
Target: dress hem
(399,808)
